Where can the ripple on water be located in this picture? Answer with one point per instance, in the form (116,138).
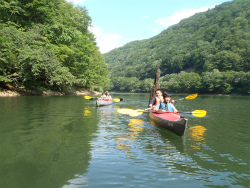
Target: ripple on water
(117,150)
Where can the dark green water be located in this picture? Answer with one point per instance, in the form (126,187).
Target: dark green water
(51,142)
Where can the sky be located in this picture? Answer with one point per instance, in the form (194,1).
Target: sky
(118,22)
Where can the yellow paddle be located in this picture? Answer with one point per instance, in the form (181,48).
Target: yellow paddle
(130,112)
(137,112)
(118,99)
(88,97)
(196,113)
(188,97)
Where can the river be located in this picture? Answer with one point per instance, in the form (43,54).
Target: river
(68,142)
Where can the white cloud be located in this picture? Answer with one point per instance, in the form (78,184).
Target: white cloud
(144,17)
(95,30)
(108,42)
(111,37)
(178,16)
(105,41)
(155,29)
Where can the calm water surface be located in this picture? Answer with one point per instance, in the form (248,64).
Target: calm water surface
(68,142)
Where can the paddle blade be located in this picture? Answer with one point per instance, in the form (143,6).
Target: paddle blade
(117,100)
(125,111)
(192,96)
(199,113)
(131,112)
(87,97)
(136,112)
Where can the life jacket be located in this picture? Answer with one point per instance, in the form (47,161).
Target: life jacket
(103,97)
(157,103)
(108,97)
(167,106)
(170,107)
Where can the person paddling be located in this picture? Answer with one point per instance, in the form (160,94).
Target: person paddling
(108,95)
(103,96)
(166,105)
(156,102)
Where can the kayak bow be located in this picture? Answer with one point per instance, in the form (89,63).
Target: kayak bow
(170,121)
(103,102)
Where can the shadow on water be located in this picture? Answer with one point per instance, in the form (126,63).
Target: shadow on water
(44,141)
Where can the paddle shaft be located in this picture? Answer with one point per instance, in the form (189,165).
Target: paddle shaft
(193,112)
(179,99)
(155,111)
(188,97)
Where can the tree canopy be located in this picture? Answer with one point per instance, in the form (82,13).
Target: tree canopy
(47,44)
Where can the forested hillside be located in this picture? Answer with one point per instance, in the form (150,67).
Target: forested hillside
(210,51)
(46,44)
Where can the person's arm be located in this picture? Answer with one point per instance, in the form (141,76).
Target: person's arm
(151,105)
(175,110)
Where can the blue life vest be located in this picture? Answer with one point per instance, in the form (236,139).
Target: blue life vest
(168,105)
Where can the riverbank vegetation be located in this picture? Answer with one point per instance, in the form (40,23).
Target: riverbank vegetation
(47,45)
(208,53)
(214,82)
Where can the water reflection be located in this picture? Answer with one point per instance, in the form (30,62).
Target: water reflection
(165,142)
(87,112)
(153,123)
(125,140)
(197,132)
(105,114)
(47,144)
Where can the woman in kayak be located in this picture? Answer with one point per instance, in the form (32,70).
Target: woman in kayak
(108,95)
(166,105)
(156,102)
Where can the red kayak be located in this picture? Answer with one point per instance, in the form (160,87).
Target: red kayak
(104,102)
(170,121)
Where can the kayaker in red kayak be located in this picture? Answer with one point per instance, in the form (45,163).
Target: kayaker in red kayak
(156,102)
(166,105)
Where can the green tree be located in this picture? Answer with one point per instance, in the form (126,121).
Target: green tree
(47,43)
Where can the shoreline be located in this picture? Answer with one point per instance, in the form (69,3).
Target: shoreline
(23,92)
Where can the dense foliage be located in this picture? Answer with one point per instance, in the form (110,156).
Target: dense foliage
(208,82)
(47,44)
(214,45)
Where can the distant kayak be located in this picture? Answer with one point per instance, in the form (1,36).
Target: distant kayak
(103,102)
(170,121)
